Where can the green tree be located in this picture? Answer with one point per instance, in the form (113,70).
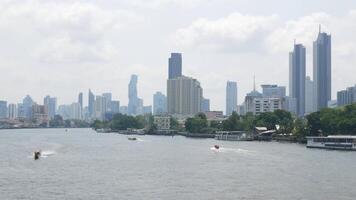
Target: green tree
(197,124)
(233,123)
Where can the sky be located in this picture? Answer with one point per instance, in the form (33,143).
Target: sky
(63,47)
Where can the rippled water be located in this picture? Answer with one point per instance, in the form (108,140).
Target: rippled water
(81,164)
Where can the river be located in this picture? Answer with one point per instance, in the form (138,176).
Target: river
(82,164)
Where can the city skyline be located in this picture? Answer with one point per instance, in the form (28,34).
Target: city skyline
(69,61)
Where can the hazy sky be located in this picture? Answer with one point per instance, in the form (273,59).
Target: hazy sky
(63,47)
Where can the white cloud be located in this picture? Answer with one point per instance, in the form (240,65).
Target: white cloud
(156,4)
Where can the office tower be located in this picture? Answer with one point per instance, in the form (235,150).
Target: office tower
(297,77)
(184,95)
(51,105)
(309,96)
(27,103)
(133,99)
(91,101)
(75,111)
(322,70)
(159,103)
(147,109)
(268,104)
(175,65)
(290,104)
(123,110)
(273,91)
(100,107)
(108,97)
(20,111)
(231,97)
(3,109)
(65,111)
(12,111)
(205,105)
(249,100)
(40,114)
(115,106)
(80,100)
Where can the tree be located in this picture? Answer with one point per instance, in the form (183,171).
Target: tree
(197,124)
(300,130)
(233,123)
(314,124)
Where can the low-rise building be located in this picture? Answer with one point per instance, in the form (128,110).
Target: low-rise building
(162,122)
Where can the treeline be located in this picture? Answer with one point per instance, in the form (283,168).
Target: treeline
(59,122)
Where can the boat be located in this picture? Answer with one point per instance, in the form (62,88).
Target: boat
(132,138)
(338,142)
(216,146)
(36,155)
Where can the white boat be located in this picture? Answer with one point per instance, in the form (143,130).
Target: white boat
(339,142)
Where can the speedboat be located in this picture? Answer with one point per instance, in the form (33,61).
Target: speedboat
(216,146)
(36,155)
(132,138)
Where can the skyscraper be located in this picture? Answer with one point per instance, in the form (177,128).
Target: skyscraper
(175,65)
(273,91)
(51,105)
(133,99)
(91,101)
(184,95)
(108,97)
(27,103)
(297,77)
(12,111)
(205,105)
(231,97)
(80,100)
(322,70)
(159,103)
(309,96)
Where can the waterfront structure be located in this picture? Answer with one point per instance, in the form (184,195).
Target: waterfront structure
(347,96)
(175,66)
(27,103)
(162,122)
(184,95)
(51,105)
(309,96)
(159,103)
(12,111)
(297,77)
(322,70)
(231,97)
(273,91)
(91,102)
(205,105)
(337,142)
(3,109)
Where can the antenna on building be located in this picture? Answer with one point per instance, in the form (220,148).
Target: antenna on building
(254,83)
(319,28)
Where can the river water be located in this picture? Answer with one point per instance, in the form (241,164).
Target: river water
(82,164)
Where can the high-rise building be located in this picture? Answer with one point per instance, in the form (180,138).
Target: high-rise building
(100,107)
(51,106)
(290,104)
(133,99)
(75,111)
(184,95)
(65,111)
(115,106)
(309,96)
(147,110)
(322,70)
(3,109)
(80,100)
(231,97)
(27,104)
(347,96)
(123,110)
(40,114)
(205,105)
(159,103)
(108,97)
(12,111)
(175,65)
(297,77)
(91,102)
(273,91)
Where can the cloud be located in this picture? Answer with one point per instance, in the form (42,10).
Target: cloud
(156,4)
(236,31)
(65,32)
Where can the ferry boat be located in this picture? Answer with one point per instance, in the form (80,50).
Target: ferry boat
(339,142)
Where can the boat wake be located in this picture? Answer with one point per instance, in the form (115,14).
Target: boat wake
(45,154)
(227,150)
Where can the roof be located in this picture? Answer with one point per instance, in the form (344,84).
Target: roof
(261,128)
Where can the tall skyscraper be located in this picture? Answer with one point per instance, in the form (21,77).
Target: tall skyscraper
(99,107)
(184,95)
(297,77)
(80,100)
(231,97)
(133,99)
(51,106)
(205,105)
(3,109)
(27,104)
(322,70)
(115,106)
(347,96)
(175,65)
(309,96)
(108,97)
(159,103)
(91,101)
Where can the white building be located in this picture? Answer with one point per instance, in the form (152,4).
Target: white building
(261,105)
(76,111)
(162,122)
(12,111)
